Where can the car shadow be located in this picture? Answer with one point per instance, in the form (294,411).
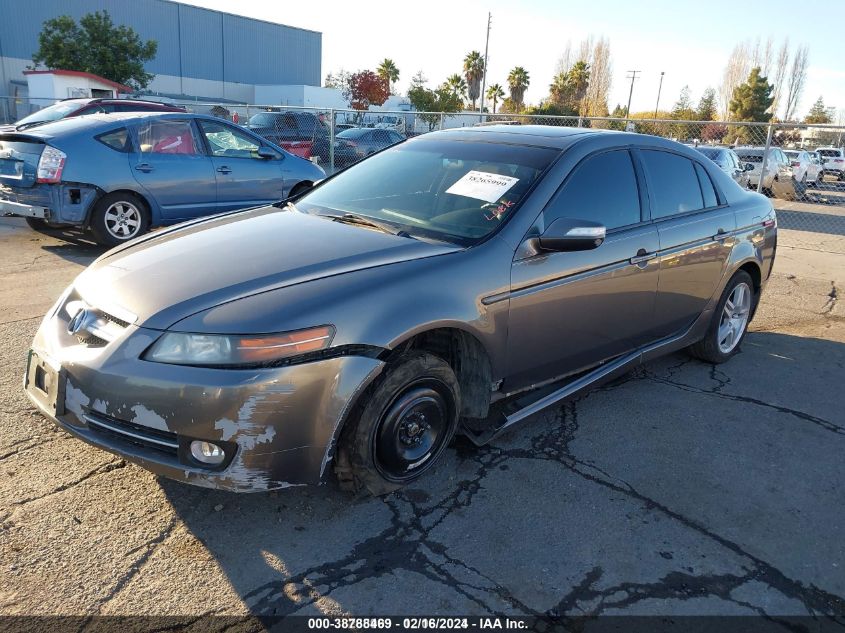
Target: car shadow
(488,521)
(74,245)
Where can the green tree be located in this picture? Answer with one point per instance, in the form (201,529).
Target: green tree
(706,110)
(578,79)
(456,86)
(751,101)
(682,109)
(495,93)
(818,113)
(518,82)
(473,72)
(388,72)
(430,103)
(95,45)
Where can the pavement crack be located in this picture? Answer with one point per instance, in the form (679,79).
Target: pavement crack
(825,424)
(100,470)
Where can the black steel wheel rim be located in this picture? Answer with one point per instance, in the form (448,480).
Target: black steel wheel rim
(412,430)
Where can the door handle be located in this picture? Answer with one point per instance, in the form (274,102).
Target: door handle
(224,170)
(720,236)
(642,256)
(144,167)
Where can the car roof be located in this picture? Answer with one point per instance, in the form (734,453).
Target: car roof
(549,136)
(96,121)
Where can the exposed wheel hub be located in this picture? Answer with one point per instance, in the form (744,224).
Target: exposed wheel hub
(411,430)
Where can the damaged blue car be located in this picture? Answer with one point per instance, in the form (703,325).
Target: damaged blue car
(118,175)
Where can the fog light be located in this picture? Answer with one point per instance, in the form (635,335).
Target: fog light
(207,453)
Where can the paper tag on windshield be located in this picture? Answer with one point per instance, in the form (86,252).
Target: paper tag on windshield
(482,185)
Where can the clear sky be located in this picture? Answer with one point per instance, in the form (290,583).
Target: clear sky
(689,41)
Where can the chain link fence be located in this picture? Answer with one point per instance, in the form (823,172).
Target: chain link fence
(801,167)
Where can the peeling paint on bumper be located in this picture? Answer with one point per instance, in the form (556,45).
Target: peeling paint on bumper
(282,422)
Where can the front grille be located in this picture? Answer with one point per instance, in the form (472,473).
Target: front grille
(132,433)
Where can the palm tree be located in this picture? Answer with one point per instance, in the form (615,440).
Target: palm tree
(388,72)
(474,71)
(578,79)
(495,93)
(518,81)
(457,86)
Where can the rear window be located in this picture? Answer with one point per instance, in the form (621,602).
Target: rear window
(829,152)
(750,158)
(51,113)
(673,183)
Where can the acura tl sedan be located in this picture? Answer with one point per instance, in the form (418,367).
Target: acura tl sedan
(457,282)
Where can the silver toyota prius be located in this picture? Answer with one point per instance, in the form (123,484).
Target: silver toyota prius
(455,283)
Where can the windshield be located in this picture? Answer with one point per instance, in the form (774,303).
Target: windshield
(354,133)
(51,113)
(267,119)
(448,190)
(712,154)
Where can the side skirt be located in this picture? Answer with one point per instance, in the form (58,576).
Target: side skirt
(509,412)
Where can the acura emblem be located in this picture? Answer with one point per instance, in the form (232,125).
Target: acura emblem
(78,322)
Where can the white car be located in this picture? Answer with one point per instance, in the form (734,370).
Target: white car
(779,179)
(804,165)
(834,161)
(816,173)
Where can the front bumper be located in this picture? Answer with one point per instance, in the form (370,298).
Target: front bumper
(8,207)
(279,425)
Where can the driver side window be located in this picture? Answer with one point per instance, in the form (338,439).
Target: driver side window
(603,189)
(224,140)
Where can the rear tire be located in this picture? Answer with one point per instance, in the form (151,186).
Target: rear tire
(729,323)
(119,217)
(405,423)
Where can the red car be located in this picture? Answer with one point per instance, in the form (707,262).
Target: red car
(77,107)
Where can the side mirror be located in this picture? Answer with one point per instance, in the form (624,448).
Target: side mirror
(267,153)
(749,167)
(565,234)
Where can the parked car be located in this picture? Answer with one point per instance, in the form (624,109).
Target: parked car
(358,143)
(728,161)
(834,161)
(803,169)
(815,173)
(779,179)
(77,107)
(120,174)
(303,134)
(427,290)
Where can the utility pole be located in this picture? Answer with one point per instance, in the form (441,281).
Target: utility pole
(632,75)
(659,88)
(484,74)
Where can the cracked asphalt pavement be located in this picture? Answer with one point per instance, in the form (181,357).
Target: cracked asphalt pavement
(681,488)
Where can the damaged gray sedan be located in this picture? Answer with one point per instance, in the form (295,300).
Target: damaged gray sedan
(455,283)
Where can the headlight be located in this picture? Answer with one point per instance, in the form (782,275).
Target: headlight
(179,348)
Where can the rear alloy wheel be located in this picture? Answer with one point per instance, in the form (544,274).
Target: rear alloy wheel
(118,218)
(730,321)
(407,422)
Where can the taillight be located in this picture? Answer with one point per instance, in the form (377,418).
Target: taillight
(50,165)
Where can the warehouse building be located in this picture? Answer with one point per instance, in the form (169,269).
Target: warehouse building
(202,54)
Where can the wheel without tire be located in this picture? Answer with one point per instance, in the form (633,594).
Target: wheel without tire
(406,422)
(119,217)
(729,322)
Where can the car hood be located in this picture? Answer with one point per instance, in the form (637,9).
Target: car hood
(171,275)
